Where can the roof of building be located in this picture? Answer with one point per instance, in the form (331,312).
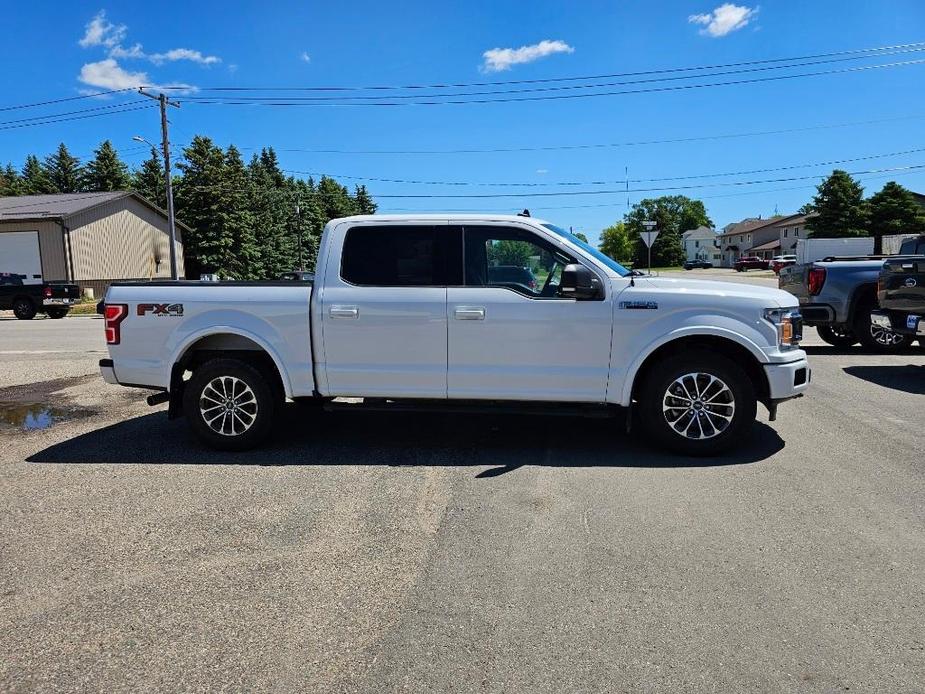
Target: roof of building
(64,205)
(770,245)
(702,231)
(750,225)
(793,220)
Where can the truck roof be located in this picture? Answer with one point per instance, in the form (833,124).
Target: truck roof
(445,216)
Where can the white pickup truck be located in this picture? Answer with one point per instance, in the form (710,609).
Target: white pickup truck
(461,311)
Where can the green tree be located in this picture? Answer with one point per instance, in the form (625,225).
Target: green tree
(309,223)
(363,202)
(64,170)
(106,172)
(272,204)
(235,221)
(838,208)
(580,236)
(509,252)
(334,199)
(893,210)
(616,243)
(9,181)
(199,201)
(672,214)
(148,180)
(34,180)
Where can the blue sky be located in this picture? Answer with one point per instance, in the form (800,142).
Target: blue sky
(210,44)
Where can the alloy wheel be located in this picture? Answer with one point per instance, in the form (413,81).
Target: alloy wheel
(698,406)
(228,406)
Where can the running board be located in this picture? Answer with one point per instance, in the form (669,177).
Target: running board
(590,410)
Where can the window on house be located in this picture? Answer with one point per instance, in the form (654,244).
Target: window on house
(796,232)
(785,233)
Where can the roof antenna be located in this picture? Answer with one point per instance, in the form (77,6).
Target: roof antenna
(525,213)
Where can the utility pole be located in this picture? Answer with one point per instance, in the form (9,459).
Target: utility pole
(298,228)
(171,220)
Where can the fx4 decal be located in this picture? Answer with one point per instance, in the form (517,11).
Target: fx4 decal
(175,310)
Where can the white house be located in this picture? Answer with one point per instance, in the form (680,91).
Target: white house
(701,244)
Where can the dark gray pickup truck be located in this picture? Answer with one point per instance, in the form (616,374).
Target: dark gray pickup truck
(839,297)
(901,294)
(26,300)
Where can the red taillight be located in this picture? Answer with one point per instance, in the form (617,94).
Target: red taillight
(816,280)
(114,315)
(47,292)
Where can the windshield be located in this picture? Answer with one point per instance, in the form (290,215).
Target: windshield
(591,250)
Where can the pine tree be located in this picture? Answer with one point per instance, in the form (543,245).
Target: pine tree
(9,181)
(34,180)
(148,181)
(272,205)
(838,208)
(311,222)
(199,203)
(64,170)
(363,202)
(235,221)
(106,172)
(893,210)
(334,199)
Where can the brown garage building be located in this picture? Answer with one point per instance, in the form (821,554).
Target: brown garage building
(90,239)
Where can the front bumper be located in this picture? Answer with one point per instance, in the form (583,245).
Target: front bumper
(787,380)
(108,372)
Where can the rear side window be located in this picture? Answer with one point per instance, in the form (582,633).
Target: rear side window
(395,256)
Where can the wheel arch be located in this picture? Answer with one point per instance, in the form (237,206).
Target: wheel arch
(741,354)
(861,293)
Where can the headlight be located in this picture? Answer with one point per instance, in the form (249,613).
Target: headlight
(789,324)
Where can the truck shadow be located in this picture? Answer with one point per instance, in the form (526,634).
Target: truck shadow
(909,378)
(502,443)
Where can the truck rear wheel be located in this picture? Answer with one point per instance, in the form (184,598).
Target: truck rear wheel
(230,405)
(699,403)
(24,308)
(836,335)
(873,337)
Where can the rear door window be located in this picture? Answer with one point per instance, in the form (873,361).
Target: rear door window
(397,256)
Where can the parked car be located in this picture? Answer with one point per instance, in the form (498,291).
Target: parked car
(701,264)
(297,276)
(512,274)
(750,263)
(406,312)
(781,261)
(839,297)
(26,300)
(901,295)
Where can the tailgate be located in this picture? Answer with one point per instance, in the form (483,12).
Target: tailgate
(62,291)
(902,284)
(793,279)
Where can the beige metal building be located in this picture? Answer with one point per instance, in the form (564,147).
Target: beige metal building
(90,239)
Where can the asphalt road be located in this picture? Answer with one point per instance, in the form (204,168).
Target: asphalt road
(379,553)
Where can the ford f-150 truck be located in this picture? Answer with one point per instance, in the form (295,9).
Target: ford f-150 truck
(54,299)
(405,310)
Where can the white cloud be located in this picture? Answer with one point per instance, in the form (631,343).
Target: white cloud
(724,19)
(108,74)
(305,57)
(136,52)
(499,59)
(100,32)
(542,172)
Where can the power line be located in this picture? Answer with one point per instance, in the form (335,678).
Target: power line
(62,120)
(70,113)
(93,95)
(622,191)
(538,184)
(438,100)
(871,52)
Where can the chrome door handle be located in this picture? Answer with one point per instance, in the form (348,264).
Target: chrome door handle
(469,313)
(344,312)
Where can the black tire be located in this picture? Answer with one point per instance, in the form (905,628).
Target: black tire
(202,397)
(57,313)
(837,336)
(24,308)
(655,393)
(873,337)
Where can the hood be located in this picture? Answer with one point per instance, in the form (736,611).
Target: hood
(771,298)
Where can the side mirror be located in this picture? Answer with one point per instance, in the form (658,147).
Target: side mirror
(578,282)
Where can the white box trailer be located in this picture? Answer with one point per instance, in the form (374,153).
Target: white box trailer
(809,250)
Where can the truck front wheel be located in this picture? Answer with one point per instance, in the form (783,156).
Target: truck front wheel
(699,403)
(230,405)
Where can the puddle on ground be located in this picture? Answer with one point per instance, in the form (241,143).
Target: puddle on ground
(23,416)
